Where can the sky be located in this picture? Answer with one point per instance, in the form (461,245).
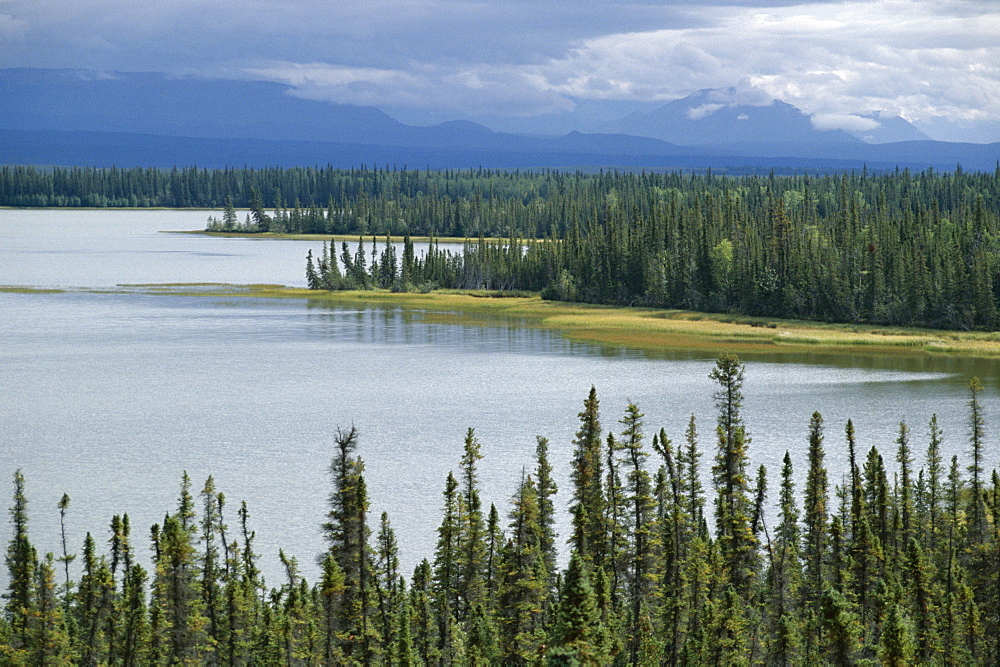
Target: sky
(936,63)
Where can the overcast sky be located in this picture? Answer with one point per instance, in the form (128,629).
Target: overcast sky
(934,62)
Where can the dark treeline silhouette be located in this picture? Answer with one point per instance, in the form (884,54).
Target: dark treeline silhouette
(672,561)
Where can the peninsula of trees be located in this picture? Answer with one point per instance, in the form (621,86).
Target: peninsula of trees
(673,560)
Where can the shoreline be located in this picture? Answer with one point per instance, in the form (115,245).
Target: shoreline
(623,327)
(291,236)
(647,329)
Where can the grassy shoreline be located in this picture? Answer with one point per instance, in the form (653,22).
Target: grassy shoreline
(641,328)
(339,237)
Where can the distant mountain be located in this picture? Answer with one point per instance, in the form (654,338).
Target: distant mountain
(588,152)
(73,100)
(889,129)
(717,118)
(144,103)
(614,144)
(70,117)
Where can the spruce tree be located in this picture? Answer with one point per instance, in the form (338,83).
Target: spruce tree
(785,575)
(977,514)
(21,565)
(347,533)
(49,641)
(577,632)
(896,648)
(471,547)
(815,518)
(546,509)
(523,589)
(934,486)
(447,566)
(737,543)
(586,475)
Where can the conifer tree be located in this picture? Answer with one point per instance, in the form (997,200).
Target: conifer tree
(21,565)
(471,546)
(135,624)
(94,604)
(523,590)
(66,558)
(785,575)
(616,560)
(977,514)
(905,459)
(424,624)
(737,544)
(211,573)
(312,276)
(896,648)
(577,631)
(494,542)
(815,519)
(692,491)
(387,586)
(347,534)
(404,653)
(546,509)
(49,641)
(934,486)
(840,628)
(447,567)
(586,475)
(640,540)
(177,584)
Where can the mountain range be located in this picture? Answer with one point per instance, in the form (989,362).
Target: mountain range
(73,117)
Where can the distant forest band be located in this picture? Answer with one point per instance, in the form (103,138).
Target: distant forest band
(891,248)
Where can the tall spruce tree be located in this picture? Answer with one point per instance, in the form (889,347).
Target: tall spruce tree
(736,541)
(815,519)
(21,565)
(586,475)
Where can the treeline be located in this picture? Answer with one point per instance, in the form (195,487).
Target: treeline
(896,565)
(899,249)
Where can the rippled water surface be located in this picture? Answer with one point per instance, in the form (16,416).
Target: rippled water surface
(110,397)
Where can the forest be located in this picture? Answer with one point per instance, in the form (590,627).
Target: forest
(673,559)
(894,248)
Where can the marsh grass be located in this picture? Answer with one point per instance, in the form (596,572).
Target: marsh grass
(14,289)
(639,328)
(350,238)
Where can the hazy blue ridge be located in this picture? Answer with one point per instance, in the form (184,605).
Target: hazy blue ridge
(68,117)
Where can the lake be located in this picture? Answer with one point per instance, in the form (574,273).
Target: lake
(109,396)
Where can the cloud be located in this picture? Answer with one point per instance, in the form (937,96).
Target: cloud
(926,60)
(451,89)
(703,111)
(842,121)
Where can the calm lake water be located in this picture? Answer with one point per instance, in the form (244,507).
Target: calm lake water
(109,397)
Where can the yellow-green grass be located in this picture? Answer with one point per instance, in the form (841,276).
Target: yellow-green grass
(642,328)
(206,209)
(14,289)
(340,237)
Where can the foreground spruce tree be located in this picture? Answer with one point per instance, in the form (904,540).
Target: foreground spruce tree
(737,544)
